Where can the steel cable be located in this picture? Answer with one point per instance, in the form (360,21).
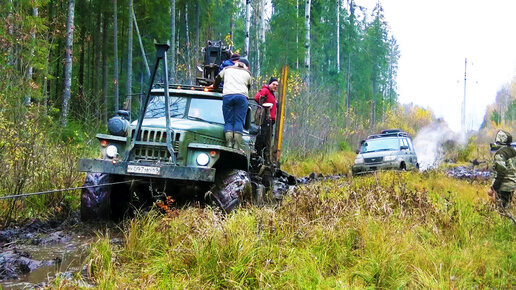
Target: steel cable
(60,190)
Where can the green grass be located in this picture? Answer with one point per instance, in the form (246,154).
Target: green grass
(390,230)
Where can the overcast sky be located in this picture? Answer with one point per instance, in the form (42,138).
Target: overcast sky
(436,36)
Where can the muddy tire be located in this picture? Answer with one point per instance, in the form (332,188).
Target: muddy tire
(96,201)
(232,187)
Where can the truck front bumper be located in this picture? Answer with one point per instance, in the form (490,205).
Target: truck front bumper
(166,171)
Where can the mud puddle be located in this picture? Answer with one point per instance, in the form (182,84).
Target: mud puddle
(33,254)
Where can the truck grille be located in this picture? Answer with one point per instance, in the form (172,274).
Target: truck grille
(373,160)
(156,149)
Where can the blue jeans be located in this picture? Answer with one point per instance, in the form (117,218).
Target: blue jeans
(234,109)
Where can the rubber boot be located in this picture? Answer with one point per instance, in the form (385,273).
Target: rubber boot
(238,141)
(229,139)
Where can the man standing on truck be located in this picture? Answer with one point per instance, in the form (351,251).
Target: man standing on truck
(237,82)
(504,165)
(228,62)
(266,95)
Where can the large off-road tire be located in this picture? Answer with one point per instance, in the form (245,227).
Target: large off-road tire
(103,200)
(96,200)
(231,188)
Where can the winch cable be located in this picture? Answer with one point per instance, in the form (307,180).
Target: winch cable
(61,190)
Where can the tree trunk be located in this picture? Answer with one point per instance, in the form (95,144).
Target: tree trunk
(68,62)
(247,27)
(307,41)
(115,55)
(129,82)
(338,37)
(104,68)
(188,47)
(350,51)
(80,80)
(98,65)
(10,51)
(197,31)
(30,69)
(172,74)
(297,35)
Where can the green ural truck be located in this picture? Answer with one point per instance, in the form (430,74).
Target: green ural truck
(181,152)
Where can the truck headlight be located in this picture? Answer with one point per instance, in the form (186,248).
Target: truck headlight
(203,159)
(111,151)
(359,160)
(389,158)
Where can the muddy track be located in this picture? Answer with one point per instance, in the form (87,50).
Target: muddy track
(34,252)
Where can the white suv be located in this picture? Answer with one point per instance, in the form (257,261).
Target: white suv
(391,149)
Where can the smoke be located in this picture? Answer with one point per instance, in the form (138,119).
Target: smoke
(429,143)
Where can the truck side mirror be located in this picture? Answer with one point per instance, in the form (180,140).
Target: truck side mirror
(404,147)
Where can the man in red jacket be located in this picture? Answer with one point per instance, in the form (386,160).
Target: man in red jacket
(266,95)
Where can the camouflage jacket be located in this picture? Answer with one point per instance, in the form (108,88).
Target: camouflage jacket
(505,169)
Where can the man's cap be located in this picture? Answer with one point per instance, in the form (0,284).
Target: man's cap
(273,79)
(244,61)
(235,56)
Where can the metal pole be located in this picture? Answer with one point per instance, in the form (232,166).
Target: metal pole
(463,121)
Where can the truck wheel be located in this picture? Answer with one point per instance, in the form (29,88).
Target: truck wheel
(96,200)
(231,188)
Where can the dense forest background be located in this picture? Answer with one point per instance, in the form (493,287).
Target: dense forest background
(67,66)
(82,60)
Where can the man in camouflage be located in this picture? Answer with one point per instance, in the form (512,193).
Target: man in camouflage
(504,165)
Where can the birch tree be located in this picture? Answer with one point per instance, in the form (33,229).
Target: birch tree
(30,69)
(247,26)
(307,40)
(68,62)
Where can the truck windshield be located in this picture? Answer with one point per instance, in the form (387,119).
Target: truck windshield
(208,110)
(156,107)
(382,144)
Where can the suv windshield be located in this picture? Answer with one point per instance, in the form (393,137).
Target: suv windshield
(381,144)
(209,110)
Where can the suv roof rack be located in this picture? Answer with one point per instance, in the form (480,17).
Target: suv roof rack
(389,133)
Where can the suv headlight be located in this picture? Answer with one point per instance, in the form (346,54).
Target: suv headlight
(389,158)
(111,151)
(359,160)
(203,159)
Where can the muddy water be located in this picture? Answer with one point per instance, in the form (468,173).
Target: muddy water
(32,255)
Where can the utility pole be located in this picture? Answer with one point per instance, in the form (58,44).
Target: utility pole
(463,119)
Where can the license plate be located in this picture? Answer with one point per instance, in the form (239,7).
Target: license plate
(143,169)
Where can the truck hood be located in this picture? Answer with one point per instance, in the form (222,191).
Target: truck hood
(204,128)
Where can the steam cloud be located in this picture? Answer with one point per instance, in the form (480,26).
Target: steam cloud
(428,143)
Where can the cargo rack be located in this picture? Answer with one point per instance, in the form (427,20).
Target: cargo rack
(188,87)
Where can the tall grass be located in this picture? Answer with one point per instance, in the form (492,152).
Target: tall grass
(387,230)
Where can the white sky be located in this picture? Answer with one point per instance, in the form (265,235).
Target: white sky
(434,39)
